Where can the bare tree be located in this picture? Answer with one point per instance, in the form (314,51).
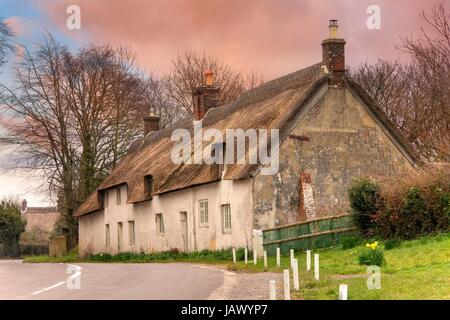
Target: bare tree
(6,45)
(188,71)
(78,113)
(416,95)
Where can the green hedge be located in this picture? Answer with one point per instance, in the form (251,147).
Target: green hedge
(403,208)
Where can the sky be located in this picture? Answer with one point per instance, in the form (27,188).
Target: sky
(272,37)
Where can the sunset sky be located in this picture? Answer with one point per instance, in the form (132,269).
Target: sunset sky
(273,37)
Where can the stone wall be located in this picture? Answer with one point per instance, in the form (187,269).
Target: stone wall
(335,141)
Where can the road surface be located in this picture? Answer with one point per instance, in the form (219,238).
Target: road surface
(107,281)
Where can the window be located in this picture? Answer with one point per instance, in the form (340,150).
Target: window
(203,213)
(105,199)
(118,196)
(119,236)
(226,218)
(131,233)
(107,236)
(159,223)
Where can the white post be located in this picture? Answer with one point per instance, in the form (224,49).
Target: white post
(343,292)
(295,274)
(255,257)
(234,255)
(245,255)
(278,257)
(308,260)
(287,287)
(272,290)
(316,266)
(291,252)
(265,259)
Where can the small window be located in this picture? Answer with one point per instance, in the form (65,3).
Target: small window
(105,199)
(118,196)
(203,213)
(131,233)
(159,223)
(107,236)
(226,218)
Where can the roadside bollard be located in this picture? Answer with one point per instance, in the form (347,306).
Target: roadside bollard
(287,287)
(295,274)
(272,290)
(316,266)
(343,290)
(308,260)
(278,257)
(265,259)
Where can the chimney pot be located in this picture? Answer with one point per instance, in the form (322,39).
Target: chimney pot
(151,123)
(209,78)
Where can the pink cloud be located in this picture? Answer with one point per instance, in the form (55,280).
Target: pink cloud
(274,37)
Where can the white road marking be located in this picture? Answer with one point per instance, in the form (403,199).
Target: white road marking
(49,288)
(62,282)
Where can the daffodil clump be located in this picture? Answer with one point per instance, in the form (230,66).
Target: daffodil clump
(372,255)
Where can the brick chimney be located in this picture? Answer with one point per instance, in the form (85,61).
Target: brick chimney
(333,56)
(205,97)
(151,123)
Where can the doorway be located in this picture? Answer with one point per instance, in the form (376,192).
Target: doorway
(184,230)
(119,236)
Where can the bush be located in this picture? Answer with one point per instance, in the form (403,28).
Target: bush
(11,226)
(391,244)
(414,217)
(403,207)
(365,203)
(372,256)
(350,242)
(33,248)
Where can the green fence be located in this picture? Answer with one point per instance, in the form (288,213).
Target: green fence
(318,233)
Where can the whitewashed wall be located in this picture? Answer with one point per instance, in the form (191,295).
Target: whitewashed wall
(236,193)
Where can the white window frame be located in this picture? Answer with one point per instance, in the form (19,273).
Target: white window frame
(226,218)
(203,213)
(107,235)
(131,233)
(159,221)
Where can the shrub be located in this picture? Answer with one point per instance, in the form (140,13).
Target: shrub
(372,255)
(11,226)
(414,218)
(392,243)
(365,203)
(33,248)
(350,242)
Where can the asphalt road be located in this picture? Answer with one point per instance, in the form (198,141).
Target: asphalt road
(107,281)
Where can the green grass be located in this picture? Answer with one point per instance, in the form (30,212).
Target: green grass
(205,256)
(418,269)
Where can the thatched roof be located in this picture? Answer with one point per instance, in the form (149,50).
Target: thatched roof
(273,105)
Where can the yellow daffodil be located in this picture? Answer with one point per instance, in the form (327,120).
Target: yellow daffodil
(372,246)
